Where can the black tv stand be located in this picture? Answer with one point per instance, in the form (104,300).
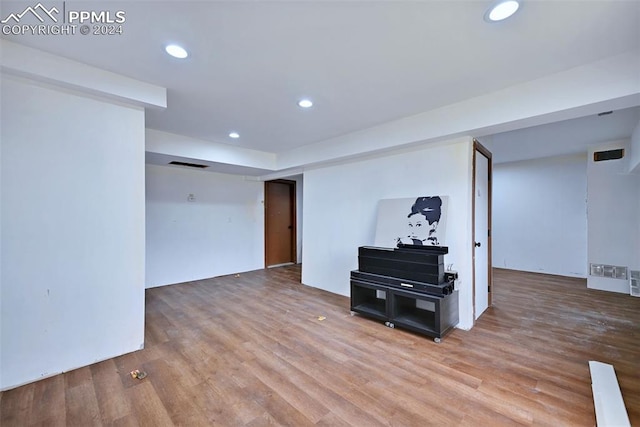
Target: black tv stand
(426,314)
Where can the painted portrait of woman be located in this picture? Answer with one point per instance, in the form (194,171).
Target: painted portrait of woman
(412,221)
(422,222)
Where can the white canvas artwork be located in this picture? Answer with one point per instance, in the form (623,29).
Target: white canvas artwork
(414,221)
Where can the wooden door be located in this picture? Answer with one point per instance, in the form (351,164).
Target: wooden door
(482,276)
(280,222)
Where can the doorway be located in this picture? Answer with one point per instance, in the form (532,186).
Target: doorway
(482,275)
(280,222)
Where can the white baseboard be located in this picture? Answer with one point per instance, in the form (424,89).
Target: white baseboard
(607,397)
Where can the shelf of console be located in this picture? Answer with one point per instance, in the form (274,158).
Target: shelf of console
(426,314)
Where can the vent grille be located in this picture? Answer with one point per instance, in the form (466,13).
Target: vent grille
(190,165)
(616,154)
(611,271)
(635,283)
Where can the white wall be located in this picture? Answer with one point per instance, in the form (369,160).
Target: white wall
(221,232)
(613,217)
(72,223)
(340,205)
(634,159)
(540,215)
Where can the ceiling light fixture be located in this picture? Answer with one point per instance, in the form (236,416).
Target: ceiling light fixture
(234,135)
(305,103)
(501,9)
(176,51)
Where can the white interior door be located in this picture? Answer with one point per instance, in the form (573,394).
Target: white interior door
(481,234)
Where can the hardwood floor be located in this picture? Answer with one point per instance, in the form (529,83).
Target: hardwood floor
(251,351)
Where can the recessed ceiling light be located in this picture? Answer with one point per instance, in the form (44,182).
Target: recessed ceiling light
(305,103)
(176,51)
(501,9)
(234,135)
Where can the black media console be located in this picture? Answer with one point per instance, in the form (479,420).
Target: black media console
(405,287)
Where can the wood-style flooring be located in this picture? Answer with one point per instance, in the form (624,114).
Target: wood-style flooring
(250,350)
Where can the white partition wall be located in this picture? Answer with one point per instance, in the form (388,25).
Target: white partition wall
(217,231)
(340,208)
(634,155)
(72,230)
(540,215)
(613,217)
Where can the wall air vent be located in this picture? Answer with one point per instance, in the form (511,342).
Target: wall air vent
(610,271)
(190,165)
(600,156)
(635,283)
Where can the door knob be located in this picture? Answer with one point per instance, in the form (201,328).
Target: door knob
(478,244)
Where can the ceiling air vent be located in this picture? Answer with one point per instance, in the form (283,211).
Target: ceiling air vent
(600,156)
(190,165)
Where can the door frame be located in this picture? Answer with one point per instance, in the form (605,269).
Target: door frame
(293,207)
(479,148)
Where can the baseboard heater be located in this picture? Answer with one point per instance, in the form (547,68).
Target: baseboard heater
(607,397)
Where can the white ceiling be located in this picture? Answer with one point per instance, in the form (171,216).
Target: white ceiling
(561,138)
(363,63)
